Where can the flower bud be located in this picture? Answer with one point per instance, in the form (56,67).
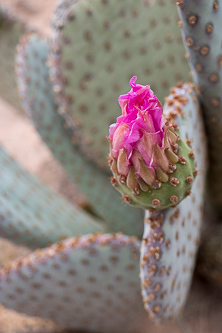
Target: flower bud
(145,152)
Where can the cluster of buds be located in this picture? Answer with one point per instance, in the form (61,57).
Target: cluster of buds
(150,162)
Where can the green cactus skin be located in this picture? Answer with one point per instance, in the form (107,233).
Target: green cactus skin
(171,236)
(92,63)
(90,282)
(39,103)
(170,192)
(10,32)
(201,30)
(33,215)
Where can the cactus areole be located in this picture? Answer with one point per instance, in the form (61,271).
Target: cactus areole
(152,166)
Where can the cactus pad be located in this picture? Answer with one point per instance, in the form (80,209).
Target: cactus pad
(171,237)
(33,215)
(97,46)
(90,282)
(201,30)
(39,103)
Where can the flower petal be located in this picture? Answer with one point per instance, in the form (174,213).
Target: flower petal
(138,130)
(145,146)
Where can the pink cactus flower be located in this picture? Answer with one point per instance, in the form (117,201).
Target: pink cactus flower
(138,138)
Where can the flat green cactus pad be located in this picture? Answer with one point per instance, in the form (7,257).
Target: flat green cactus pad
(10,32)
(32,214)
(201,30)
(38,101)
(90,283)
(171,237)
(97,47)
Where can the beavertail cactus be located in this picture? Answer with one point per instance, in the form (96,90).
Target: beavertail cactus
(32,53)
(158,160)
(201,24)
(171,237)
(87,82)
(89,282)
(32,214)
(152,166)
(166,261)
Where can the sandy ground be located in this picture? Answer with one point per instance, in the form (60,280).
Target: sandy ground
(203,311)
(38,12)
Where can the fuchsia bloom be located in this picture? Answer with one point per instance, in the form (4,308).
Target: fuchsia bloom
(137,138)
(152,166)
(141,122)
